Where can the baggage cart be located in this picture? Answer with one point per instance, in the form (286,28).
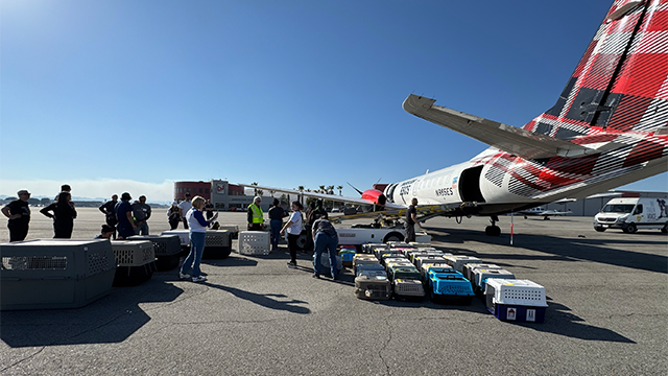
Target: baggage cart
(55,273)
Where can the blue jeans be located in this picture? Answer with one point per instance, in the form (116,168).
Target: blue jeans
(325,242)
(142,229)
(276,225)
(195,256)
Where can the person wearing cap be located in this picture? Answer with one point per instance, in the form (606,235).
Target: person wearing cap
(18,212)
(185,207)
(255,214)
(126,224)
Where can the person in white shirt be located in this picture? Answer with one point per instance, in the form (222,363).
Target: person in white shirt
(198,226)
(185,206)
(294,228)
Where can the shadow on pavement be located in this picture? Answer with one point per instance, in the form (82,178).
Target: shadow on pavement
(558,320)
(562,249)
(111,319)
(265,300)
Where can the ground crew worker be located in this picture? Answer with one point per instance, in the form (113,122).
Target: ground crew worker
(255,214)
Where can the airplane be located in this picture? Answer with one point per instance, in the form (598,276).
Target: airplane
(542,212)
(609,127)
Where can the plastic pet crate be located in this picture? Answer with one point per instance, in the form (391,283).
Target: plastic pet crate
(55,273)
(254,243)
(135,261)
(372,287)
(369,247)
(427,258)
(469,268)
(368,267)
(217,244)
(324,261)
(482,275)
(184,236)
(167,249)
(403,272)
(458,262)
(347,255)
(425,266)
(448,286)
(408,288)
(515,300)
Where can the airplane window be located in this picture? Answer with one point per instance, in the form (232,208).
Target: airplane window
(638,210)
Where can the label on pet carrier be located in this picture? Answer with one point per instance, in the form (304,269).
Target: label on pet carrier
(531,315)
(511,314)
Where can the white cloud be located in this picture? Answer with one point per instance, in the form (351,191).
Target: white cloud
(102,188)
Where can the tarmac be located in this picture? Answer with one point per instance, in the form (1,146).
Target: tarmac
(607,315)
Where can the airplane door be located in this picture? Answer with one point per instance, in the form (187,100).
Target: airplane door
(469,184)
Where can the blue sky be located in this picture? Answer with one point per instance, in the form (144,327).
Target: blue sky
(133,95)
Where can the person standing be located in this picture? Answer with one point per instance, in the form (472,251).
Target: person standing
(109,210)
(185,206)
(198,227)
(276,215)
(411,220)
(315,211)
(174,216)
(254,217)
(141,213)
(126,225)
(208,208)
(63,214)
(294,228)
(324,237)
(18,212)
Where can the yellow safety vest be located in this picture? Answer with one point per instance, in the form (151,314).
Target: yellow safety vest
(257,213)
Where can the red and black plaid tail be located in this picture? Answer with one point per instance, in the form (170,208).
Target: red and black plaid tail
(621,82)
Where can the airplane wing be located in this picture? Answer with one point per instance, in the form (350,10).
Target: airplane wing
(517,141)
(324,196)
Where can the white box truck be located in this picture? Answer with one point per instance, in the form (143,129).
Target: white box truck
(633,213)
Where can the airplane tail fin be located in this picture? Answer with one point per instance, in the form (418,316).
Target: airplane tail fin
(621,82)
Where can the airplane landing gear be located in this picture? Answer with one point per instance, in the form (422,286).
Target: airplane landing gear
(493,230)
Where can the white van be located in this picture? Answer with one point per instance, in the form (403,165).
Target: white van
(633,213)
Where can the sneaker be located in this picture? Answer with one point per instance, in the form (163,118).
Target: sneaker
(199,279)
(184,276)
(292,264)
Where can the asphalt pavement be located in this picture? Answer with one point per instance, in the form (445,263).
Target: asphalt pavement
(607,315)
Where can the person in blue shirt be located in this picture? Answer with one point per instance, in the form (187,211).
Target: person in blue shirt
(126,224)
(197,226)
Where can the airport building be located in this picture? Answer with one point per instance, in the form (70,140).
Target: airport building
(223,195)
